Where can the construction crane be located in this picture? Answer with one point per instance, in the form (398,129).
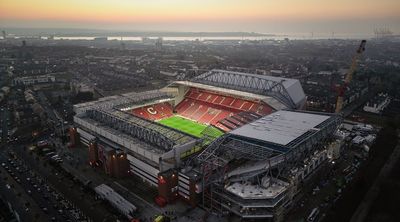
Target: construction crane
(349,76)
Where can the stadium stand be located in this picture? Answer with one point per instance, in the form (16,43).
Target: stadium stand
(227,124)
(237,120)
(221,115)
(222,127)
(209,115)
(228,102)
(154,112)
(209,108)
(223,111)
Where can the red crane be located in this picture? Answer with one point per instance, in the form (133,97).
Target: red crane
(349,76)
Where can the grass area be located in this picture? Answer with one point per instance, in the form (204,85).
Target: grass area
(185,125)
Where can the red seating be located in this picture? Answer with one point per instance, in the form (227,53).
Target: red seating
(203,96)
(246,105)
(141,112)
(238,103)
(209,115)
(227,124)
(211,98)
(237,120)
(261,109)
(222,127)
(221,115)
(181,107)
(193,106)
(227,101)
(154,112)
(209,108)
(234,121)
(163,110)
(199,112)
(218,100)
(193,94)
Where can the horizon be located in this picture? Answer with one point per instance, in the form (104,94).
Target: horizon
(90,34)
(288,16)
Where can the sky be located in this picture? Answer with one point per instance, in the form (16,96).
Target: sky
(264,16)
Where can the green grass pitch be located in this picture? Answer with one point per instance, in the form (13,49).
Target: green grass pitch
(185,125)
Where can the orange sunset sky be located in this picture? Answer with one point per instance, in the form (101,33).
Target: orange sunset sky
(204,15)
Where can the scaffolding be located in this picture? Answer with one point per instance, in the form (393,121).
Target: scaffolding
(216,159)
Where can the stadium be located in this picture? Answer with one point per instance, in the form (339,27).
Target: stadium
(230,142)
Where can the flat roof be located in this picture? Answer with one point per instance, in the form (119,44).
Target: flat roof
(250,191)
(281,127)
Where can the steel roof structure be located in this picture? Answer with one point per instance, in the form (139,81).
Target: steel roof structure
(287,91)
(257,147)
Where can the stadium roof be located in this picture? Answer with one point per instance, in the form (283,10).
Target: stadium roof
(282,127)
(288,91)
(121,101)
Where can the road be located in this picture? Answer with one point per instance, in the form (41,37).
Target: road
(79,168)
(71,191)
(28,183)
(22,203)
(4,120)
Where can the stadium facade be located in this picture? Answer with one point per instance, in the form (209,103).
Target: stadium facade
(227,141)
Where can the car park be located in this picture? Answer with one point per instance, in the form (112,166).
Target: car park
(36,186)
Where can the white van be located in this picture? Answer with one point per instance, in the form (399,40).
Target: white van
(313,215)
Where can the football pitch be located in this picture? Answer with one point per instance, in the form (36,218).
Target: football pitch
(185,125)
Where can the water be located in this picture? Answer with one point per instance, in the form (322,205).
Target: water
(295,36)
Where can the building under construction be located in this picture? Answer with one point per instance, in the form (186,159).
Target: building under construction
(252,149)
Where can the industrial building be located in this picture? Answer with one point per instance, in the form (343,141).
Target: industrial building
(242,145)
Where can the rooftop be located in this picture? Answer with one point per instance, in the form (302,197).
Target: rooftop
(121,101)
(281,127)
(251,191)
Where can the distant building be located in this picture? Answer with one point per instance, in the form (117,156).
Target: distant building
(33,80)
(377,104)
(80,87)
(328,73)
(5,90)
(100,39)
(159,43)
(276,72)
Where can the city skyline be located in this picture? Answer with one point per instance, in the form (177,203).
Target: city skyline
(293,16)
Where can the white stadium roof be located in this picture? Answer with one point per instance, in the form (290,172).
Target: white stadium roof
(281,127)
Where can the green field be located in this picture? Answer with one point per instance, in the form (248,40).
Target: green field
(185,125)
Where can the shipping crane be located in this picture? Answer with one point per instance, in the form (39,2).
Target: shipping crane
(349,76)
